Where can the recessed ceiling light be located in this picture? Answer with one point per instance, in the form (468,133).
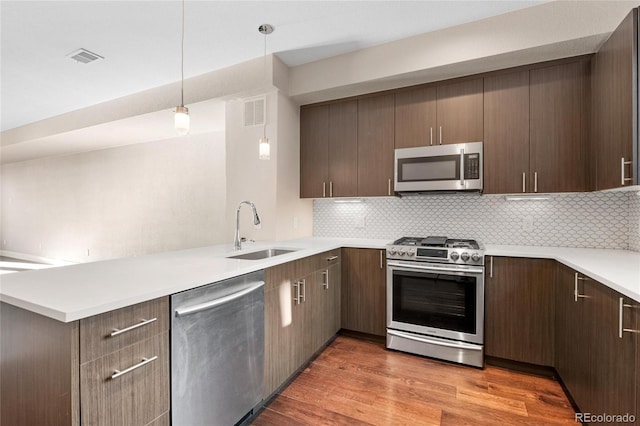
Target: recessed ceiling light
(84,56)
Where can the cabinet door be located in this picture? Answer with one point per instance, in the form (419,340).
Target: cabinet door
(363,291)
(416,117)
(613,105)
(314,151)
(572,351)
(375,145)
(506,134)
(279,362)
(558,146)
(303,320)
(329,281)
(343,149)
(519,310)
(613,357)
(460,112)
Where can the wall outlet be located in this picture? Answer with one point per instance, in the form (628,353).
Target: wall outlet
(527,224)
(359,221)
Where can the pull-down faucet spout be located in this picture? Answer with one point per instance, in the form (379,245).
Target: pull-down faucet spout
(237,245)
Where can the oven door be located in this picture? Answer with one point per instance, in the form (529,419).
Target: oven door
(437,300)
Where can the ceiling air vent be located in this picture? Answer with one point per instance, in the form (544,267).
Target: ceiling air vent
(254,111)
(84,56)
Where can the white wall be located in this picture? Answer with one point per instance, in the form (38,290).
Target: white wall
(273,186)
(117,202)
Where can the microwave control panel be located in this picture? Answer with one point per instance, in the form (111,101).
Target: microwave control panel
(472,166)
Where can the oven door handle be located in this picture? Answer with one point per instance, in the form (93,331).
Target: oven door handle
(434,268)
(459,345)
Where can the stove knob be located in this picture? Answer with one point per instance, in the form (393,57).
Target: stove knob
(401,252)
(411,253)
(475,257)
(454,256)
(464,256)
(392,251)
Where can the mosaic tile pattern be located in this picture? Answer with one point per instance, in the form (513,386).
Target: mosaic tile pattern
(634,221)
(593,220)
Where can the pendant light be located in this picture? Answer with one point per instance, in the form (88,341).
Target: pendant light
(264,147)
(182,120)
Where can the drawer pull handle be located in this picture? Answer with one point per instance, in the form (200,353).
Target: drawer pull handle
(117,331)
(576,294)
(332,258)
(145,361)
(325,279)
(621,328)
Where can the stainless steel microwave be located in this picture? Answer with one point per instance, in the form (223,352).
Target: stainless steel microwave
(454,167)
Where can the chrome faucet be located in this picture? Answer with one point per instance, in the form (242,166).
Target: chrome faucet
(237,245)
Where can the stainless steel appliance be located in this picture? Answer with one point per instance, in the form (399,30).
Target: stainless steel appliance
(454,167)
(217,351)
(435,298)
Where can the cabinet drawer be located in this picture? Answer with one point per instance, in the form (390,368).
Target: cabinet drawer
(138,396)
(111,331)
(314,263)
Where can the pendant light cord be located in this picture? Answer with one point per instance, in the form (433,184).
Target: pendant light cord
(182,60)
(264,75)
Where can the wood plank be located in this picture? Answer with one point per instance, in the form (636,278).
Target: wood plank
(361,382)
(270,417)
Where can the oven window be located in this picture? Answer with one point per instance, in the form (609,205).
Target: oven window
(435,300)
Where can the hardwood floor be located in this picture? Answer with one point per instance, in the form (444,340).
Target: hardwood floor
(355,382)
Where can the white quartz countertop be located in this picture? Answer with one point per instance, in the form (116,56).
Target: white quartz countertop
(74,292)
(70,293)
(617,269)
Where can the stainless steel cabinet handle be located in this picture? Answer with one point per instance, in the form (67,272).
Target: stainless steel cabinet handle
(332,258)
(440,135)
(524,182)
(330,188)
(535,181)
(325,279)
(621,328)
(389,187)
(145,361)
(622,178)
(491,267)
(430,135)
(577,295)
(303,292)
(118,331)
(217,302)
(296,292)
(381,261)
(324,189)
(462,167)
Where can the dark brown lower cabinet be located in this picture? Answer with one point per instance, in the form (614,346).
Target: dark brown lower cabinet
(364,290)
(520,310)
(302,312)
(596,349)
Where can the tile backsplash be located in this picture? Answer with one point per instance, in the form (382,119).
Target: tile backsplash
(634,221)
(593,220)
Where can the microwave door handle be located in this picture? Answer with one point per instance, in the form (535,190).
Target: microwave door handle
(462,167)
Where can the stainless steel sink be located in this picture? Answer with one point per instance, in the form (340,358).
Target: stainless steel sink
(261,254)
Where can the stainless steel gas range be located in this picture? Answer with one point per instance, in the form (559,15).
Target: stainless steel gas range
(435,298)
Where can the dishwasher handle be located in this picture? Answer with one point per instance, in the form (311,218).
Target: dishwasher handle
(217,302)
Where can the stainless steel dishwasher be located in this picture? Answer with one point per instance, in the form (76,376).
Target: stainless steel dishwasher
(217,351)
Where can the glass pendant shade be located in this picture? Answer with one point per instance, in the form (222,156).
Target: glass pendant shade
(264,148)
(182,120)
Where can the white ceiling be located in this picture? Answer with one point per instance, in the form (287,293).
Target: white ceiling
(140,41)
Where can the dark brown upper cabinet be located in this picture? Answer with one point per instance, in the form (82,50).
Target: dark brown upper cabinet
(375,145)
(328,150)
(614,108)
(558,150)
(436,115)
(506,133)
